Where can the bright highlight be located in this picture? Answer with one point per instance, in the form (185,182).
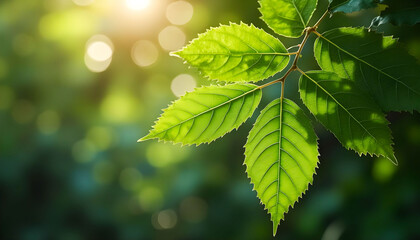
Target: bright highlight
(137,4)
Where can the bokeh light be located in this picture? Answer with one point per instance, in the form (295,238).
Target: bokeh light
(120,106)
(150,198)
(179,12)
(137,4)
(172,38)
(183,83)
(144,53)
(82,80)
(99,50)
(163,155)
(165,219)
(383,169)
(101,137)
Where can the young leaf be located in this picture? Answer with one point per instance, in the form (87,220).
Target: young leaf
(206,114)
(353,117)
(398,12)
(287,17)
(281,155)
(349,6)
(236,53)
(377,63)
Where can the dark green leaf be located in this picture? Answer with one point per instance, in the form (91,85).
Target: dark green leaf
(281,155)
(376,63)
(354,118)
(348,6)
(399,12)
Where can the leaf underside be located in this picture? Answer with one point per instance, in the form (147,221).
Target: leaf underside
(287,17)
(353,117)
(236,53)
(377,63)
(206,114)
(281,155)
(349,6)
(398,12)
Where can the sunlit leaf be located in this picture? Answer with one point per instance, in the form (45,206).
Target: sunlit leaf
(399,12)
(376,63)
(354,118)
(281,155)
(206,114)
(287,17)
(236,53)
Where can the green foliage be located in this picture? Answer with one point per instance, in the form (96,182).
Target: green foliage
(236,53)
(287,17)
(364,74)
(352,116)
(281,155)
(376,63)
(398,12)
(349,6)
(206,114)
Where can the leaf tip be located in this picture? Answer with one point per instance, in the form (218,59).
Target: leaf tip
(393,159)
(145,138)
(275,226)
(175,53)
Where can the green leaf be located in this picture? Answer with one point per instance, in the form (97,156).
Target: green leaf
(376,63)
(353,117)
(281,155)
(287,17)
(236,53)
(398,12)
(349,6)
(206,114)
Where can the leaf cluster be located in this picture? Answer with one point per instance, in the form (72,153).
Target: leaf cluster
(362,75)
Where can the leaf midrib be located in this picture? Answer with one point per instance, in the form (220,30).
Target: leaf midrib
(208,110)
(239,54)
(300,15)
(368,64)
(279,160)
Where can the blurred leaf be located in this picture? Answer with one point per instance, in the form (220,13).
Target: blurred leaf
(377,63)
(287,17)
(353,117)
(398,12)
(206,114)
(281,155)
(349,6)
(236,53)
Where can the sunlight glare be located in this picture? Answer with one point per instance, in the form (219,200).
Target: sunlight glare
(137,4)
(183,83)
(144,53)
(99,51)
(179,12)
(172,38)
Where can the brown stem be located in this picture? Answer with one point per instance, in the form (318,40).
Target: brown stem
(294,66)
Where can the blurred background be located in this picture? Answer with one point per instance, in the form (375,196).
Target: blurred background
(82,80)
